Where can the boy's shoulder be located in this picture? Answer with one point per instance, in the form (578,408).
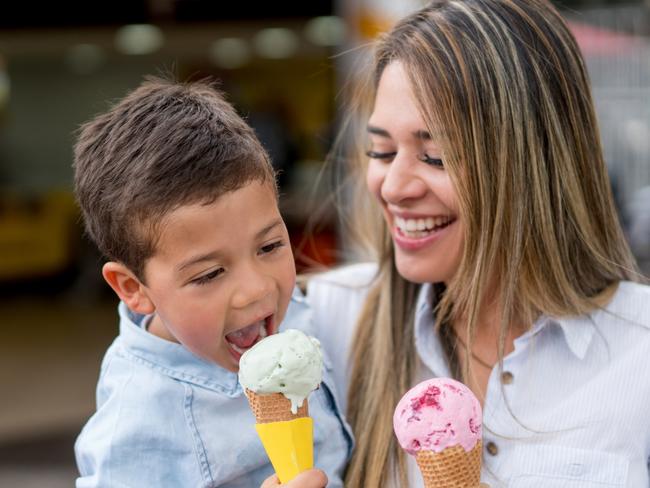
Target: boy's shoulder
(196,430)
(192,435)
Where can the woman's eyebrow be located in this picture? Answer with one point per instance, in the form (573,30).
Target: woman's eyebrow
(422,135)
(377,131)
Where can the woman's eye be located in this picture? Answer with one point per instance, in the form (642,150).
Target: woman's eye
(425,158)
(271,247)
(380,155)
(207,278)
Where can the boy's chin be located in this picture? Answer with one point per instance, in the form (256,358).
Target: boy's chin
(232,364)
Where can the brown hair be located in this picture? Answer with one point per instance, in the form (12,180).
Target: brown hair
(504,87)
(164,145)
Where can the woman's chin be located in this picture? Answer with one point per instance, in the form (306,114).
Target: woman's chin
(416,271)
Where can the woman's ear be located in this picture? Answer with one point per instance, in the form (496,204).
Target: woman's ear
(128,287)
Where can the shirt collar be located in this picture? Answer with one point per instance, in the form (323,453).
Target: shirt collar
(578,332)
(171,358)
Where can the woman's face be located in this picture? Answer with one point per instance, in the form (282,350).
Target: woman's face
(407,176)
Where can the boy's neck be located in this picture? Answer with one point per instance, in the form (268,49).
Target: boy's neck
(157,328)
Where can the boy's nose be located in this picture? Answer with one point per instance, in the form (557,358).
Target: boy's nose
(253,287)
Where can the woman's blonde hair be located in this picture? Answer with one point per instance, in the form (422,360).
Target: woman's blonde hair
(502,85)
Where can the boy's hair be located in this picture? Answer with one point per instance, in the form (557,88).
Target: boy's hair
(164,145)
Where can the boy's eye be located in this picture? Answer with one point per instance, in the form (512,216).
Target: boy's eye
(202,280)
(271,247)
(380,155)
(425,158)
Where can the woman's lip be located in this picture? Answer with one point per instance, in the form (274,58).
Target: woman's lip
(415,244)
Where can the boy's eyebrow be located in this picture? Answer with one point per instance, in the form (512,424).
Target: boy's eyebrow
(269,228)
(423,135)
(215,254)
(198,259)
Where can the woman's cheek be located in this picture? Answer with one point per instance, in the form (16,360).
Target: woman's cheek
(374,179)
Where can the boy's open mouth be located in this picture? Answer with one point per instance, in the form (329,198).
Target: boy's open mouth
(243,339)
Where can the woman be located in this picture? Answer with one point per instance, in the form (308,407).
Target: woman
(499,258)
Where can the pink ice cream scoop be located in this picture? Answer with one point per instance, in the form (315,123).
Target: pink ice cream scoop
(436,414)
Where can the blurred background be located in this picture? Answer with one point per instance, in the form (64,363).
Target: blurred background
(283,67)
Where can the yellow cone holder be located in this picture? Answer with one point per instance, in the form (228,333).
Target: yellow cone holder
(289,445)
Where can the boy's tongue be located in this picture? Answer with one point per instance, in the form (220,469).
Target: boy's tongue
(246,337)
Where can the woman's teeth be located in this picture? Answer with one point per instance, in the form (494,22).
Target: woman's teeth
(421,227)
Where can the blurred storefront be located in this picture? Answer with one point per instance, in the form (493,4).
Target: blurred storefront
(59,65)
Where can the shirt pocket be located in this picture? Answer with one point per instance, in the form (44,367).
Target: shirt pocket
(551,466)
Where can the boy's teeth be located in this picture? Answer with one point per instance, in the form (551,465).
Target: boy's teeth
(238,349)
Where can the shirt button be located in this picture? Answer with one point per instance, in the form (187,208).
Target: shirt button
(507,377)
(492,448)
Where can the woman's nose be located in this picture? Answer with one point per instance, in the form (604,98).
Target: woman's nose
(401,182)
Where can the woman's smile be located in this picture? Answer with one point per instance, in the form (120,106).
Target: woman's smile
(415,234)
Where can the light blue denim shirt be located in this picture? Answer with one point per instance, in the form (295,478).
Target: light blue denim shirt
(569,409)
(166,418)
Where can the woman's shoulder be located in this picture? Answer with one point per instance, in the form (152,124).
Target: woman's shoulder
(337,296)
(635,289)
(631,303)
(633,294)
(343,289)
(357,275)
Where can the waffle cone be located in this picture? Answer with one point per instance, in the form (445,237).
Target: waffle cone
(273,407)
(451,468)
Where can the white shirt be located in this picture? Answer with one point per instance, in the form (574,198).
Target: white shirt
(576,413)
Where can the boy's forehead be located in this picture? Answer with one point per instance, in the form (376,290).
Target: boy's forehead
(251,205)
(177,212)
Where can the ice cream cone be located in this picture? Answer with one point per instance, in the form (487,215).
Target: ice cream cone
(273,407)
(453,467)
(287,437)
(278,373)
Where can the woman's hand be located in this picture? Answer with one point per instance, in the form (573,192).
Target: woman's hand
(314,478)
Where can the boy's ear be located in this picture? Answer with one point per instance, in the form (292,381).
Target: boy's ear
(128,287)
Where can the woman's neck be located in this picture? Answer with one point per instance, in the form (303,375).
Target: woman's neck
(482,349)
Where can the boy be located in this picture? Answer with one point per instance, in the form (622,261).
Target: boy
(178,194)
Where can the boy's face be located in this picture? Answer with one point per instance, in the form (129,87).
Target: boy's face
(222,275)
